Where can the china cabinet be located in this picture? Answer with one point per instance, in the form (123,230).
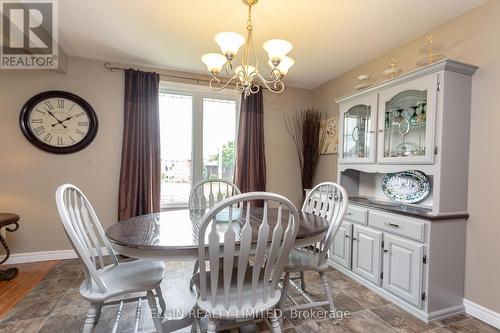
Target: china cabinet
(358,130)
(342,245)
(414,125)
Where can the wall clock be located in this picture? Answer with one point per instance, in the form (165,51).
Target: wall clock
(58,122)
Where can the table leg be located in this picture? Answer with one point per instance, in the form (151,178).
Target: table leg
(10,273)
(180,299)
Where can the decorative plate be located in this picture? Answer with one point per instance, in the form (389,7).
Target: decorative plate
(223,215)
(409,186)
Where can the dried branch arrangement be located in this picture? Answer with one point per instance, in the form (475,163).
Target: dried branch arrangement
(304,129)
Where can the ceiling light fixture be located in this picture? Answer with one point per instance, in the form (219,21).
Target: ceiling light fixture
(246,75)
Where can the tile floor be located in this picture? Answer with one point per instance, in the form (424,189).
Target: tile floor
(55,306)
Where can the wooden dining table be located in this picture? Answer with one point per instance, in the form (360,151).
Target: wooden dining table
(173,236)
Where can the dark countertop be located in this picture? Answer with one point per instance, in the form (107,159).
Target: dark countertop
(423,213)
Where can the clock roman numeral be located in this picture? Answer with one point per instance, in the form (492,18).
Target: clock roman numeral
(49,105)
(79,114)
(59,141)
(71,138)
(39,130)
(36,121)
(80,132)
(60,103)
(48,137)
(83,123)
(40,111)
(71,107)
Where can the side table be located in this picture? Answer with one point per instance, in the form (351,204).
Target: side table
(11,224)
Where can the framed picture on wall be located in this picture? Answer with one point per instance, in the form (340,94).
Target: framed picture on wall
(330,126)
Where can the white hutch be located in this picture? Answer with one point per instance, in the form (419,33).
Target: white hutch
(411,254)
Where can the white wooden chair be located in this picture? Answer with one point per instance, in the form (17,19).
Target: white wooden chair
(232,289)
(327,200)
(105,282)
(218,190)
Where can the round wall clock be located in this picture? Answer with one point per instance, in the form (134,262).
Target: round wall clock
(58,122)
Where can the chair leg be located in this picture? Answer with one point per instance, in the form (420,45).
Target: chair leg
(195,270)
(98,313)
(275,324)
(154,311)
(302,281)
(161,300)
(284,291)
(90,321)
(212,328)
(328,294)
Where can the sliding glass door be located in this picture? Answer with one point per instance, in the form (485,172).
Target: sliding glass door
(198,140)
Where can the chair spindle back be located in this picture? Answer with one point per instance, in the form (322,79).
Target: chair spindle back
(269,254)
(207,193)
(329,201)
(84,232)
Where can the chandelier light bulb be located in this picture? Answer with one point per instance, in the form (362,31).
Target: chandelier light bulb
(277,49)
(214,62)
(229,43)
(285,64)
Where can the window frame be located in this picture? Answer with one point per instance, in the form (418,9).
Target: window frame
(198,93)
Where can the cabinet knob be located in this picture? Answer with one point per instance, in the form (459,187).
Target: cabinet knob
(347,236)
(354,238)
(385,251)
(392,225)
(381,131)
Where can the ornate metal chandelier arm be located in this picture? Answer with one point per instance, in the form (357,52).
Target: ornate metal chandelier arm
(277,86)
(231,70)
(270,82)
(218,85)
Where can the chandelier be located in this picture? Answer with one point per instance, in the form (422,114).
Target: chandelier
(246,76)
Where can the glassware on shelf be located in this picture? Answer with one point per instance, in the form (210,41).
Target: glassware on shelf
(405,124)
(413,118)
(356,136)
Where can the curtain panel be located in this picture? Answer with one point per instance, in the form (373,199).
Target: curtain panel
(250,166)
(140,173)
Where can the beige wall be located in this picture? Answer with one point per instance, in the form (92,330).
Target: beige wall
(29,176)
(472,38)
(283,172)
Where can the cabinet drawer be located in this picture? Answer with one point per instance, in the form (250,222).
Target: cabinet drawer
(400,225)
(357,214)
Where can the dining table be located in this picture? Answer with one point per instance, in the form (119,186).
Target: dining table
(172,236)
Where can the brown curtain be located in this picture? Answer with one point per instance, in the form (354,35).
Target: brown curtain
(250,168)
(140,170)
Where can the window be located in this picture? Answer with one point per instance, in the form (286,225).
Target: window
(198,139)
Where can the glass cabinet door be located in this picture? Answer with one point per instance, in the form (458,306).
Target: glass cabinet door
(406,125)
(357,132)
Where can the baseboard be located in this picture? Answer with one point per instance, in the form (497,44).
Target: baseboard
(484,314)
(21,258)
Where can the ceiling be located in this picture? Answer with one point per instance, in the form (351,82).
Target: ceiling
(330,37)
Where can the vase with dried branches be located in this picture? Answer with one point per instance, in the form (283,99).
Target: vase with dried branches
(304,128)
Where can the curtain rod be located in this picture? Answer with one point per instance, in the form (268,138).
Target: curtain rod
(110,68)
